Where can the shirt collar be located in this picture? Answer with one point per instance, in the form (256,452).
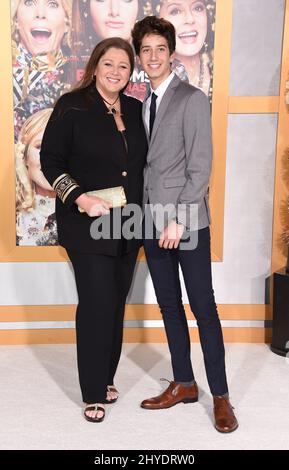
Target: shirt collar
(161,89)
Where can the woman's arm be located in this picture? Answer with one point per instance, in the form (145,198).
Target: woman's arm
(54,155)
(55,151)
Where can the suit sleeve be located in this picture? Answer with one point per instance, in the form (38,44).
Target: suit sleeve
(198,150)
(55,152)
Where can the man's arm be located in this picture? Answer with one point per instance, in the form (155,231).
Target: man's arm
(198,148)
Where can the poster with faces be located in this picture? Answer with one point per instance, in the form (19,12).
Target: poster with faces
(51,43)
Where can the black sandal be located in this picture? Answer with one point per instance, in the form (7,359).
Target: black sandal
(111,388)
(94,408)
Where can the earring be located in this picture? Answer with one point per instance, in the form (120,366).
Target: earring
(67,33)
(67,25)
(206,46)
(16,31)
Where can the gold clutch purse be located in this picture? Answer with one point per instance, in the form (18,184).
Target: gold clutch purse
(115,195)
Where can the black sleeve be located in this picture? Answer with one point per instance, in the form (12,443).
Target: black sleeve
(55,151)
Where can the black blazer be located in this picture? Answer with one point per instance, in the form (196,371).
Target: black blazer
(82,150)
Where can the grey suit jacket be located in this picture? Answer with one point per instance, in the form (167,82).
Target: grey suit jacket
(180,154)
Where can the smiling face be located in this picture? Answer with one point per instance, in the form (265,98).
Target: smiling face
(112,72)
(189,18)
(155,58)
(33,163)
(41,25)
(112,18)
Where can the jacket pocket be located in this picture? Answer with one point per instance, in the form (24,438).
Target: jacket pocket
(174,181)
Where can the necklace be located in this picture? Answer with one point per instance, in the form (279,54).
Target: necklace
(111,108)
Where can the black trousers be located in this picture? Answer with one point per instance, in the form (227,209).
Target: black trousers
(196,268)
(102,284)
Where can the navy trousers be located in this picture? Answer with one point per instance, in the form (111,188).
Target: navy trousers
(102,283)
(196,268)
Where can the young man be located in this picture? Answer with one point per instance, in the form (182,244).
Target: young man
(177,119)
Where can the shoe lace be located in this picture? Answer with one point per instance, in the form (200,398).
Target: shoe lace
(165,380)
(226,398)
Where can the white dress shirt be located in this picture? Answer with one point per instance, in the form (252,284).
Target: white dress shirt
(159,91)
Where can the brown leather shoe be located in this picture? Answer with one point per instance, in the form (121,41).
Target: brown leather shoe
(225,420)
(174,394)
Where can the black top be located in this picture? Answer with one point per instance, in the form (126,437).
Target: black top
(83,150)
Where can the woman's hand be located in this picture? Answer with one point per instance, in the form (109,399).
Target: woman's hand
(93,206)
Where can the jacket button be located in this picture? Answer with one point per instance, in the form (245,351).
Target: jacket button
(124,173)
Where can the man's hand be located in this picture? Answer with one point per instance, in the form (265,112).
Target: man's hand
(171,235)
(93,206)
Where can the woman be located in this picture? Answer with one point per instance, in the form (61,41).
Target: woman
(41,48)
(94,140)
(94,20)
(113,17)
(192,20)
(35,198)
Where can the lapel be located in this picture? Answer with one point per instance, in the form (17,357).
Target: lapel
(125,110)
(143,116)
(163,106)
(128,119)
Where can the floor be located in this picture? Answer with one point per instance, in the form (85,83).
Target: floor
(41,406)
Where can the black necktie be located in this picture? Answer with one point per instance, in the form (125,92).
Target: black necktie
(152,111)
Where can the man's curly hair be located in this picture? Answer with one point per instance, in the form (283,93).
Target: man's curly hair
(153,25)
